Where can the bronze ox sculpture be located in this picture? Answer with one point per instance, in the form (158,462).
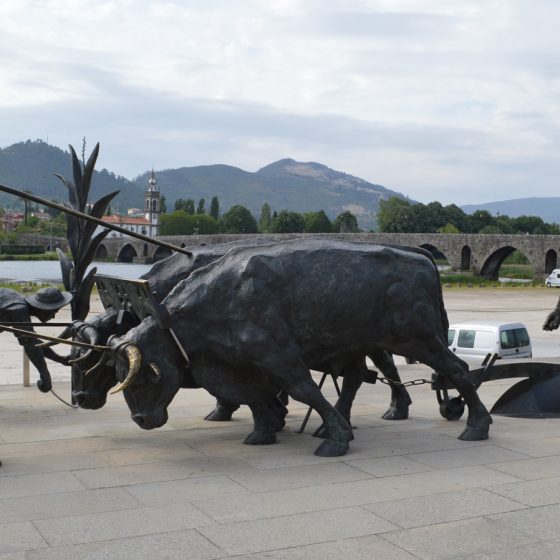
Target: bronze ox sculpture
(93,378)
(255,321)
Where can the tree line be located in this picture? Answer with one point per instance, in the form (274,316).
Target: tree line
(397,215)
(189,218)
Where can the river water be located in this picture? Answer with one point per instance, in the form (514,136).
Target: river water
(49,271)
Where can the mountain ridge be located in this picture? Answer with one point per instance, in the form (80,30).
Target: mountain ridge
(548,208)
(285,184)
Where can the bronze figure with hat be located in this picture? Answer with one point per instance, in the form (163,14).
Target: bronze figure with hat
(44,304)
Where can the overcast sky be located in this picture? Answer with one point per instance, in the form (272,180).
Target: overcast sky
(449,100)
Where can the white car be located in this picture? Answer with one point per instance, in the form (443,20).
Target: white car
(553,279)
(473,341)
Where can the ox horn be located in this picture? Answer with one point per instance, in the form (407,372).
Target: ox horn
(134,357)
(88,333)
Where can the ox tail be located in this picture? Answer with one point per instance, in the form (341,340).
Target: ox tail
(444,318)
(443,312)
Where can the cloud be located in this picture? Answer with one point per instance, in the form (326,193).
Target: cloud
(448,101)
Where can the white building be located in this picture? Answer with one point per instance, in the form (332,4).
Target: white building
(147,225)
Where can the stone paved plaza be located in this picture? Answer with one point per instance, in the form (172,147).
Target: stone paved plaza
(81,484)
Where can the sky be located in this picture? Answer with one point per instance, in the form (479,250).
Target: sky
(448,100)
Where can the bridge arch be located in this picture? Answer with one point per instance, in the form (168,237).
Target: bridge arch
(161,253)
(127,253)
(436,252)
(491,265)
(550,261)
(466,257)
(101,253)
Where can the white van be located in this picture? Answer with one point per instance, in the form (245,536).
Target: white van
(473,341)
(553,279)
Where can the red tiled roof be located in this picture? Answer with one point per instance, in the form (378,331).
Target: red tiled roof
(125,220)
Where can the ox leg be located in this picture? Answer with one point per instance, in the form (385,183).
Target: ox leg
(223,411)
(352,377)
(279,410)
(338,429)
(400,399)
(266,424)
(479,419)
(285,369)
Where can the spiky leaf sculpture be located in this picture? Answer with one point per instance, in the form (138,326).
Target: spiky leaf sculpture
(82,240)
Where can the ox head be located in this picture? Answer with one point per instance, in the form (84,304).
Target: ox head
(93,372)
(150,370)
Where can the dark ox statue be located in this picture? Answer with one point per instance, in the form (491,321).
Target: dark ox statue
(90,391)
(257,320)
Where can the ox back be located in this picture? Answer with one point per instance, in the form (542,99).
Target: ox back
(328,297)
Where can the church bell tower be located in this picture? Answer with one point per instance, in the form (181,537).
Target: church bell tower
(152,207)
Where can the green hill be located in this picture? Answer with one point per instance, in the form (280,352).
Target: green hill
(30,166)
(284,185)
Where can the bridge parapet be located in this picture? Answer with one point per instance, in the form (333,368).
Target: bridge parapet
(479,253)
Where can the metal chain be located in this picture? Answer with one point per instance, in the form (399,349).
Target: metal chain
(406,384)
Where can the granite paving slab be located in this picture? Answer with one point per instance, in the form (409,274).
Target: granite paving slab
(118,524)
(457,540)
(295,530)
(542,492)
(442,508)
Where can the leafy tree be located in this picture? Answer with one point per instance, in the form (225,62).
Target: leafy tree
(288,222)
(395,215)
(265,219)
(346,223)
(238,219)
(56,226)
(200,208)
(317,222)
(479,220)
(181,223)
(174,223)
(204,224)
(215,208)
(186,205)
(516,257)
(163,204)
(454,215)
(448,228)
(529,224)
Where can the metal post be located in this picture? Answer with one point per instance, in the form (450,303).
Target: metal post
(26,382)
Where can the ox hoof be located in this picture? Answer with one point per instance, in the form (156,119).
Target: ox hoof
(331,448)
(260,438)
(474,434)
(219,414)
(394,413)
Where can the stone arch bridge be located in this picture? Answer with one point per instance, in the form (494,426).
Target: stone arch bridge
(481,254)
